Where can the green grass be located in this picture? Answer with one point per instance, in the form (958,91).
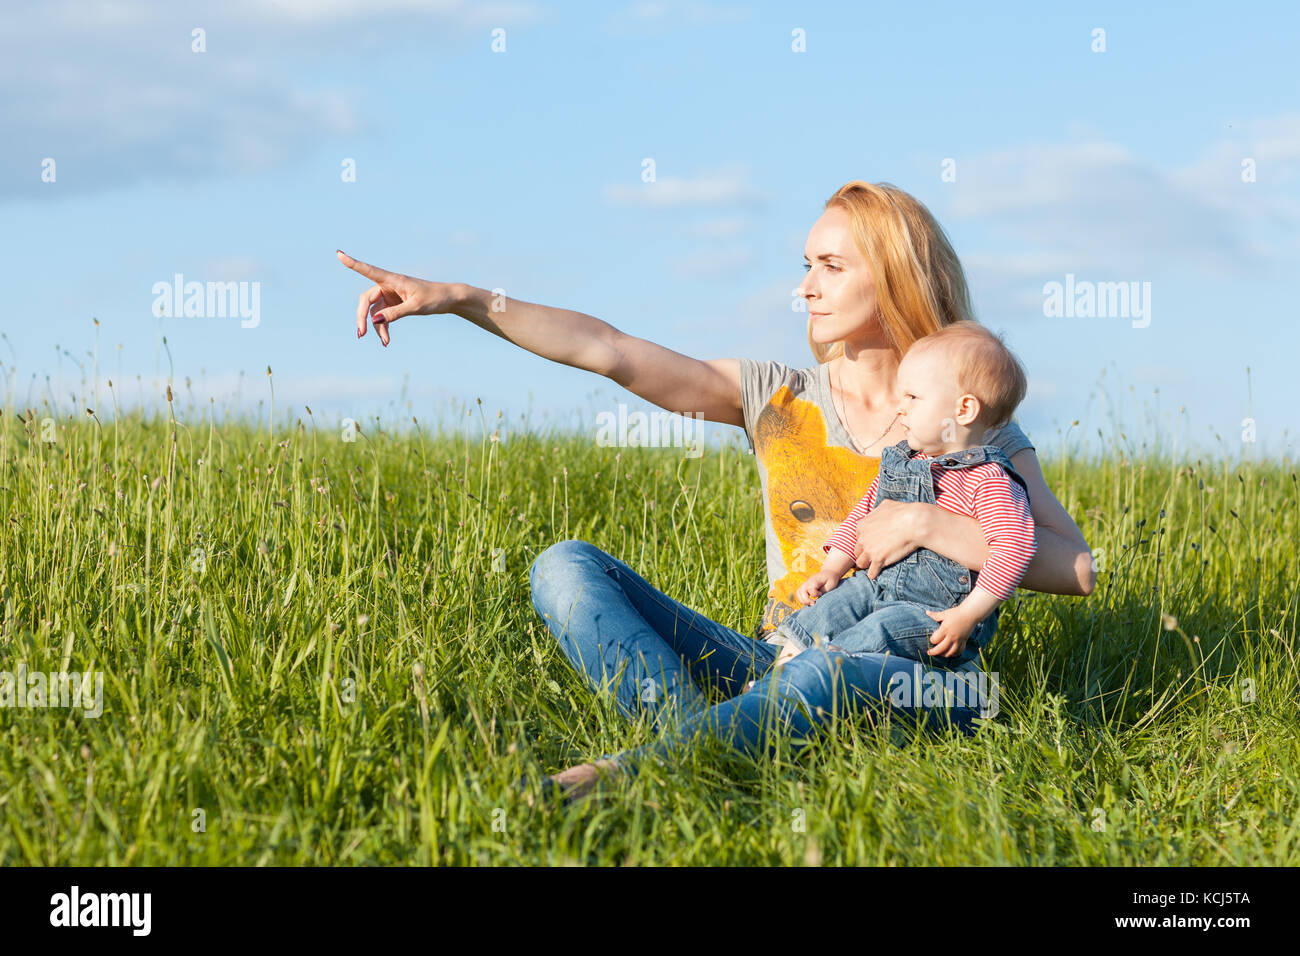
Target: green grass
(260,607)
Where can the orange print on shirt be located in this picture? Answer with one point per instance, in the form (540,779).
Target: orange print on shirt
(811,488)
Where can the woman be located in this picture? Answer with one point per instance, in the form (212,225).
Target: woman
(881,274)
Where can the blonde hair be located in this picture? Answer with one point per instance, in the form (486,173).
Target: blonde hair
(981,364)
(920,285)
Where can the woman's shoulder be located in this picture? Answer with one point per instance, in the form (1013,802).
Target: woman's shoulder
(1011,438)
(761,379)
(773,374)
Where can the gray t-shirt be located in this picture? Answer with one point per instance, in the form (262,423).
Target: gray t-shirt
(810,473)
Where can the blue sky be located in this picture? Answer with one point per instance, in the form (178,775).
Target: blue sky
(522,170)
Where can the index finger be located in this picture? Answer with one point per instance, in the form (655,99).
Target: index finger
(365,268)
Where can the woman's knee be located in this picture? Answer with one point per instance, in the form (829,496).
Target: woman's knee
(551,571)
(811,679)
(559,556)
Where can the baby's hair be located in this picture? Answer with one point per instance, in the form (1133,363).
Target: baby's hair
(983,366)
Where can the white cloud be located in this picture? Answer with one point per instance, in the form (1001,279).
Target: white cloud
(235,269)
(715,264)
(1041,389)
(330,10)
(1095,209)
(114,93)
(650,17)
(457,13)
(1094,205)
(728,186)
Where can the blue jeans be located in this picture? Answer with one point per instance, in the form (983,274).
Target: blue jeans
(887,614)
(654,654)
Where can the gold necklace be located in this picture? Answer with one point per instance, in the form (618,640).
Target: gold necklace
(844,418)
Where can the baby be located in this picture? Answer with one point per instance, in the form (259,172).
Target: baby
(957,385)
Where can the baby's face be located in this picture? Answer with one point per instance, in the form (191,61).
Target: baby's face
(928,408)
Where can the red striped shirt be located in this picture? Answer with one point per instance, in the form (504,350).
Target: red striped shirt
(984,492)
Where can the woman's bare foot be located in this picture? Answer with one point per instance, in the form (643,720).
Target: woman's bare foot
(580,780)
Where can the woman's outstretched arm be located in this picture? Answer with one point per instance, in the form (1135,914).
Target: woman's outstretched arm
(1062,563)
(671,380)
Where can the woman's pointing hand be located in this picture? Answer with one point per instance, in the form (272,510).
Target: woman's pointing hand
(395,295)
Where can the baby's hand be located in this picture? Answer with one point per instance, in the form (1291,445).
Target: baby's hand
(818,584)
(955,626)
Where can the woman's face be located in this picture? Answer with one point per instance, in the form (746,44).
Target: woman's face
(838,288)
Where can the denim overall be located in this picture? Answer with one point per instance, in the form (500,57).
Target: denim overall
(887,615)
